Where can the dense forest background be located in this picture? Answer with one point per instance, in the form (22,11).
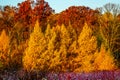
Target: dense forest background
(78,39)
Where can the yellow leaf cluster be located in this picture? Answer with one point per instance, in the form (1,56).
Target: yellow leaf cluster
(4,41)
(36,47)
(104,60)
(87,45)
(4,48)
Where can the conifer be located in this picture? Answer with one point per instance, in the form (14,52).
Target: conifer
(36,46)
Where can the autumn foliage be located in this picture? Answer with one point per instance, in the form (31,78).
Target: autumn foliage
(79,39)
(4,49)
(56,51)
(104,60)
(77,16)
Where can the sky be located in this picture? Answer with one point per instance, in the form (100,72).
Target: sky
(60,5)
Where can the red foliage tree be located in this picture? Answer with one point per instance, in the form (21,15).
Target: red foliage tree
(41,11)
(7,18)
(77,15)
(30,11)
(24,12)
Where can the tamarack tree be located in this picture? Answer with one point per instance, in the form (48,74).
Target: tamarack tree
(87,45)
(10,52)
(104,60)
(36,47)
(4,49)
(56,50)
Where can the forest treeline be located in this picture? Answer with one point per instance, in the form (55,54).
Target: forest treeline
(78,39)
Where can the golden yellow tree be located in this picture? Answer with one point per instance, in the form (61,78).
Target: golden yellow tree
(72,32)
(53,47)
(104,60)
(49,55)
(57,50)
(57,47)
(4,41)
(72,50)
(4,49)
(36,46)
(87,45)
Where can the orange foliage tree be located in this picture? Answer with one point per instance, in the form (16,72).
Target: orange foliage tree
(7,18)
(24,12)
(42,11)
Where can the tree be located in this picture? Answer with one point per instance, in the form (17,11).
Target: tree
(4,49)
(10,51)
(87,46)
(72,50)
(36,48)
(24,13)
(53,51)
(109,28)
(104,60)
(42,11)
(7,19)
(57,48)
(77,16)
(111,8)
(17,45)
